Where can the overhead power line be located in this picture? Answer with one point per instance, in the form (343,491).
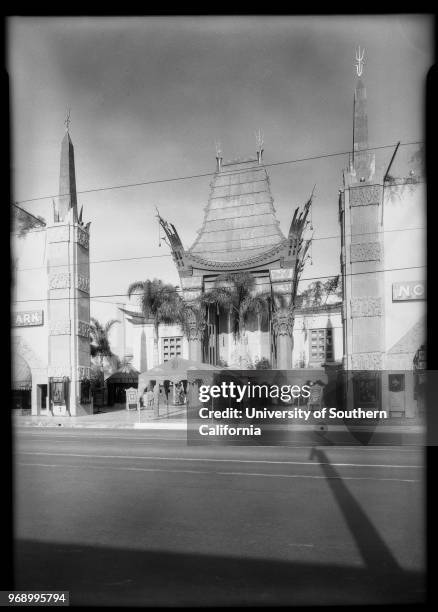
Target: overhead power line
(142,257)
(179,290)
(205,174)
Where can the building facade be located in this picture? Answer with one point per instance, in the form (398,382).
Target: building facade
(382,214)
(51,303)
(134,339)
(240,233)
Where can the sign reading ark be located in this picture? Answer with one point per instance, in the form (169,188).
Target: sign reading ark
(409,290)
(28,318)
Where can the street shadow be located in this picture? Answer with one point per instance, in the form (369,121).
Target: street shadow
(98,576)
(375,553)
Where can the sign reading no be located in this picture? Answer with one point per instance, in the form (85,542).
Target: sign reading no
(409,290)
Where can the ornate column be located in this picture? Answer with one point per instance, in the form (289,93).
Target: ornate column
(283,326)
(283,315)
(192,290)
(196,325)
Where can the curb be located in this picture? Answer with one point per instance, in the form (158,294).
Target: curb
(182,425)
(160,426)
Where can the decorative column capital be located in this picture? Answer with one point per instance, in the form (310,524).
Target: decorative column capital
(283,322)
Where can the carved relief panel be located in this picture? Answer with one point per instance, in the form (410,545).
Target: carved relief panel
(83,329)
(366,195)
(59,280)
(367,361)
(83,283)
(60,327)
(366,306)
(366,251)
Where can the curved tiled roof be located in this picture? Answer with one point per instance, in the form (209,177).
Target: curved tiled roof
(239,221)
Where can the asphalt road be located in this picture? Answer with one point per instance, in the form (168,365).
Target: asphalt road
(140,518)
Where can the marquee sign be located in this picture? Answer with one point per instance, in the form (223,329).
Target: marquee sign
(28,318)
(409,290)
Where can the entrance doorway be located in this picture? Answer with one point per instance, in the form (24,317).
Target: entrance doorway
(41,398)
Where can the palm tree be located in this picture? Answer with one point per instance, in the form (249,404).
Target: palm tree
(234,292)
(160,302)
(99,339)
(318,290)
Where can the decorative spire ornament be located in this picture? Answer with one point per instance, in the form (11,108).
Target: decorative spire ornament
(217,145)
(260,143)
(359,61)
(67,121)
(159,226)
(67,198)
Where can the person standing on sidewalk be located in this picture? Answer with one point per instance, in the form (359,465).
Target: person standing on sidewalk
(157,400)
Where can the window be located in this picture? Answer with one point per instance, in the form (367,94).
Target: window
(171,347)
(321,345)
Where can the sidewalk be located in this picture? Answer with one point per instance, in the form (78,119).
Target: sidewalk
(175,418)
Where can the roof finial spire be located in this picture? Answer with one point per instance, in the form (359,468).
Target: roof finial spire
(260,143)
(217,145)
(359,61)
(67,121)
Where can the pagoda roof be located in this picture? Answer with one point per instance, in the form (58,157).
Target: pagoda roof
(239,221)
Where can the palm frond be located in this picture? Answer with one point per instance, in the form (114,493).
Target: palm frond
(99,341)
(134,287)
(109,324)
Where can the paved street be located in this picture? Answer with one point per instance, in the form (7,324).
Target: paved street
(140,518)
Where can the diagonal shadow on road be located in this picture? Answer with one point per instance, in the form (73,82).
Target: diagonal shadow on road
(375,553)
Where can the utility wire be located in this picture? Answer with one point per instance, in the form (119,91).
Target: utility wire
(335,236)
(205,174)
(178,290)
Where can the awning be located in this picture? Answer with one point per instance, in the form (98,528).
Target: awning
(123,376)
(175,370)
(21,374)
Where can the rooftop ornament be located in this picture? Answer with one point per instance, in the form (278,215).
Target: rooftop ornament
(67,121)
(217,145)
(359,61)
(260,143)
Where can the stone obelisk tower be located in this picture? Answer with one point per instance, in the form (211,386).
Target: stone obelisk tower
(68,271)
(362,247)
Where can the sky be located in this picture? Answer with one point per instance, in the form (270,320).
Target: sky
(150,96)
